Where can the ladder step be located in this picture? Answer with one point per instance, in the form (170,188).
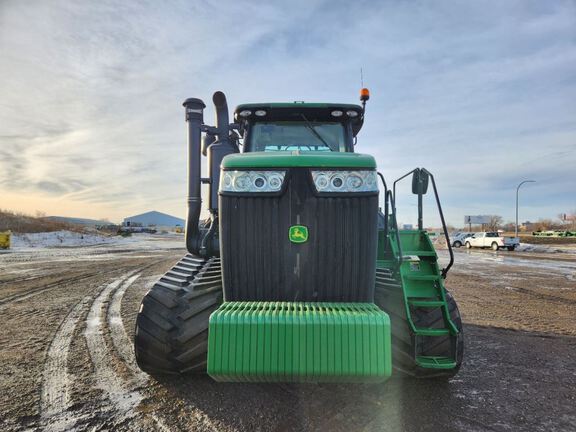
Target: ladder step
(422,331)
(419,253)
(423,277)
(425,303)
(431,362)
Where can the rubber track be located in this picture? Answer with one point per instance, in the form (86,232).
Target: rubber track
(172,326)
(389,297)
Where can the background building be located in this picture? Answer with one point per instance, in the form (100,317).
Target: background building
(154,219)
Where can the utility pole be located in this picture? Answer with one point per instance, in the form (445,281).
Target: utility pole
(517,189)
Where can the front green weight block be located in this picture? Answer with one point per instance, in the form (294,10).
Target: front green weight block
(299,342)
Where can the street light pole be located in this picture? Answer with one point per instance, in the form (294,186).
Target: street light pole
(517,189)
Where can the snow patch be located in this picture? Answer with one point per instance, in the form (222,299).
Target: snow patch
(527,247)
(59,239)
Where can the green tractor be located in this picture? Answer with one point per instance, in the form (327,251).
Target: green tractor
(297,274)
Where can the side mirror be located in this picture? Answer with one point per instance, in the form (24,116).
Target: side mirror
(420,182)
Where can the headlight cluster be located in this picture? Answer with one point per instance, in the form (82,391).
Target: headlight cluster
(251,181)
(345,181)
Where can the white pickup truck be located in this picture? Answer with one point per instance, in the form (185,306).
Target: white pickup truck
(491,240)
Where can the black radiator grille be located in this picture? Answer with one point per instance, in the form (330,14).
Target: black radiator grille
(260,263)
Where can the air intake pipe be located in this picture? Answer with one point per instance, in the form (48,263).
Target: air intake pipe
(216,151)
(194,118)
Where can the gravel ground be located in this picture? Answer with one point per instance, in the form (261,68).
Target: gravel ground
(66,362)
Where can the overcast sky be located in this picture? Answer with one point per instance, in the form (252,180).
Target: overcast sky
(482,93)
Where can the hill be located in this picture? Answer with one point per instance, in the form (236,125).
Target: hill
(23,223)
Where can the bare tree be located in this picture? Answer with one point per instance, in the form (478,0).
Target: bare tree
(571,218)
(509,227)
(494,223)
(545,225)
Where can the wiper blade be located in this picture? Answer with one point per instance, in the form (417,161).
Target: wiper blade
(314,131)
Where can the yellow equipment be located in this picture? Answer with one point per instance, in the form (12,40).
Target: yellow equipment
(5,239)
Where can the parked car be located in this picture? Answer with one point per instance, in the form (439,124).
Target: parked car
(491,240)
(458,238)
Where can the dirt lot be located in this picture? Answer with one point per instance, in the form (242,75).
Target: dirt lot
(66,362)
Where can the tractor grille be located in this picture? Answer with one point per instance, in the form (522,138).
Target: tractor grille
(337,263)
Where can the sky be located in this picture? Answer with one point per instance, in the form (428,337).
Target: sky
(482,94)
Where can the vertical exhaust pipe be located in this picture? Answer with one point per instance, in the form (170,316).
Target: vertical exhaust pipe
(194,119)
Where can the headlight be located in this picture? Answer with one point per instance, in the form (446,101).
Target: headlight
(345,181)
(251,181)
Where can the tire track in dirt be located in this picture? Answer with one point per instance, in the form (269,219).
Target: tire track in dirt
(114,387)
(26,295)
(122,344)
(20,279)
(55,397)
(544,296)
(57,381)
(122,393)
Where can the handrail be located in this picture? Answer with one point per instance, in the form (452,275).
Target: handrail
(395,225)
(383,184)
(386,210)
(401,178)
(447,268)
(388,196)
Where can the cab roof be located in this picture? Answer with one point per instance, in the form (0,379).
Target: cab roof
(296,104)
(314,111)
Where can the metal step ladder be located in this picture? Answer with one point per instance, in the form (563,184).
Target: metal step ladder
(423,287)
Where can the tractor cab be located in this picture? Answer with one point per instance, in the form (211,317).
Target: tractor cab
(299,126)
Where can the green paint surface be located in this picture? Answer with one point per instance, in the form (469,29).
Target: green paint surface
(295,342)
(299,159)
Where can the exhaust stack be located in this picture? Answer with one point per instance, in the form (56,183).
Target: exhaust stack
(217,144)
(194,118)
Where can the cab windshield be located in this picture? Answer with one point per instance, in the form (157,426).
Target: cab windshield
(297,135)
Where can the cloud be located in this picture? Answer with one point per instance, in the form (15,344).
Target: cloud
(480,93)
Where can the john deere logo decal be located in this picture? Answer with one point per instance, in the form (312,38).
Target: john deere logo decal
(298,234)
